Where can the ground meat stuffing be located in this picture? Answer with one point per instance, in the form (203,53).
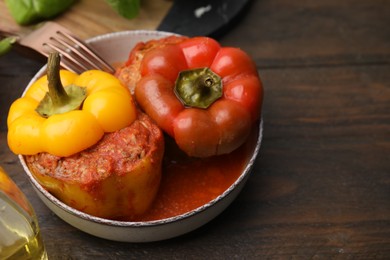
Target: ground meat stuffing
(129,74)
(117,152)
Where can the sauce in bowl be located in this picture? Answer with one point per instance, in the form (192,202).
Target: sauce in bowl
(188,183)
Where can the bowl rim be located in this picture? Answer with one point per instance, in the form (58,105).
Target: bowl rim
(108,222)
(104,221)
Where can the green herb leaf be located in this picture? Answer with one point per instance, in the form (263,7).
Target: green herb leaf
(6,44)
(126,8)
(30,11)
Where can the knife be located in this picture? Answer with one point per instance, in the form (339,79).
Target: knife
(210,18)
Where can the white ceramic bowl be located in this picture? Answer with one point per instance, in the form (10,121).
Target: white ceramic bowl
(115,47)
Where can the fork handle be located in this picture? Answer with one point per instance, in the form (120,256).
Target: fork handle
(29,53)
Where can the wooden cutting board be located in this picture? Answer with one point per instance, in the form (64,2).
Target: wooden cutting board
(88,18)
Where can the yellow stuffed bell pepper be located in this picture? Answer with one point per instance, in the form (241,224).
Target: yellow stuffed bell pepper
(66,120)
(97,154)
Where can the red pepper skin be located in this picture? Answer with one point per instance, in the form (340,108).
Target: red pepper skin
(166,62)
(222,127)
(155,96)
(248,92)
(198,50)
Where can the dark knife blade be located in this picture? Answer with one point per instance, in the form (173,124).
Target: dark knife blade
(202,17)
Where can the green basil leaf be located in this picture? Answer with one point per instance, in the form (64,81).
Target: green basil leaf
(6,45)
(126,8)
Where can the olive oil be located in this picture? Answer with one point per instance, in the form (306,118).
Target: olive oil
(19,232)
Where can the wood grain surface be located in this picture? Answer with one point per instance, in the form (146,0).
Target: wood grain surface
(320,187)
(88,18)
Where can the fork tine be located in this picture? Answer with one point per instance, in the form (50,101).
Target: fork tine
(77,52)
(72,66)
(67,49)
(67,60)
(76,55)
(87,50)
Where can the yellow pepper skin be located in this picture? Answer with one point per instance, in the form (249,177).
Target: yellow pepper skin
(108,107)
(122,196)
(116,179)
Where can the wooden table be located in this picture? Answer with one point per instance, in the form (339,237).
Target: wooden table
(320,187)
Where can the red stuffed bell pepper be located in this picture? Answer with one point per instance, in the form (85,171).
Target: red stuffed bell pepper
(205,96)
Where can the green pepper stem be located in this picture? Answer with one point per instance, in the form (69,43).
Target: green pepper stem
(58,99)
(205,82)
(198,87)
(57,91)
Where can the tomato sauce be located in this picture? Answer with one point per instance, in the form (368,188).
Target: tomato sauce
(188,183)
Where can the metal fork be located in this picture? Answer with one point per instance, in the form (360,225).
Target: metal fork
(76,55)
